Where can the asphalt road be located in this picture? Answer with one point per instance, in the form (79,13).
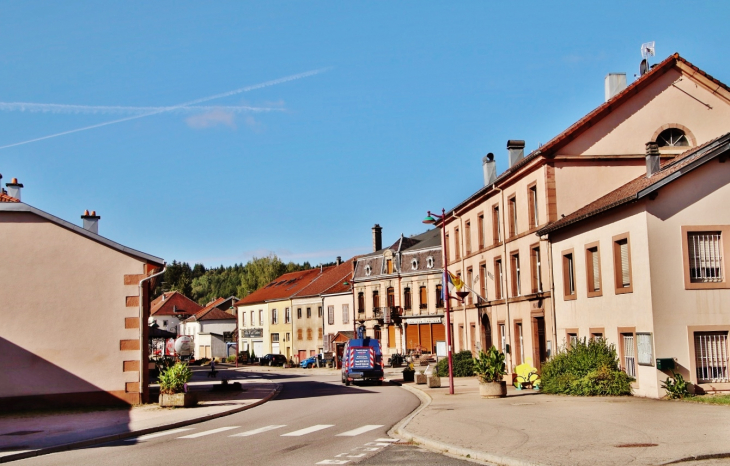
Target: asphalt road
(314,420)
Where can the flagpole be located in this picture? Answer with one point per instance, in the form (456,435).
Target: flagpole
(448,299)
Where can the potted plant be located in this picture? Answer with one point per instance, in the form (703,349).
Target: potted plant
(173,387)
(408,373)
(489,368)
(420,377)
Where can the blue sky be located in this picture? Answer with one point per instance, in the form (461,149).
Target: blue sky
(410,96)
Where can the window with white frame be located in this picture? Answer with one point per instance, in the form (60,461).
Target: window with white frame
(275,338)
(705,256)
(711,357)
(261,317)
(503,336)
(628,353)
(287,315)
(429,262)
(274,317)
(414,264)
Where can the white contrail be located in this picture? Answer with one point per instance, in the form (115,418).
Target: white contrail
(175,107)
(116,109)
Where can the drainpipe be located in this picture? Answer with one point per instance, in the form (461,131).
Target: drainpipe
(505,261)
(142,363)
(552,295)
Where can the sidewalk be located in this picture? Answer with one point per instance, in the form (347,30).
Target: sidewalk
(530,428)
(26,434)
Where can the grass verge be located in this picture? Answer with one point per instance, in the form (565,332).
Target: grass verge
(710,399)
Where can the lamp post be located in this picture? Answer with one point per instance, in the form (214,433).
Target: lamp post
(430,220)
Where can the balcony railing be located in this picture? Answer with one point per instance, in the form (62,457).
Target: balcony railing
(423,306)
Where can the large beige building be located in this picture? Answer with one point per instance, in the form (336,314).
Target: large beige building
(644,267)
(491,236)
(398,293)
(74,307)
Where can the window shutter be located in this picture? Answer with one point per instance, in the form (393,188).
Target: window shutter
(331,315)
(596,271)
(624,246)
(643,343)
(345,313)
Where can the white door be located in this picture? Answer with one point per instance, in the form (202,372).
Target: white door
(275,348)
(258,348)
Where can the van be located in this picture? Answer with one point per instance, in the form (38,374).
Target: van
(362,361)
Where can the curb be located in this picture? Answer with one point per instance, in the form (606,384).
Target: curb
(399,430)
(125,435)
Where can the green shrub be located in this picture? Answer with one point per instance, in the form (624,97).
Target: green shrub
(587,368)
(463,365)
(489,366)
(173,379)
(231,358)
(676,387)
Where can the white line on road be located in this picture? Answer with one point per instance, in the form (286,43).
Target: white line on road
(209,432)
(257,431)
(308,430)
(358,431)
(386,440)
(159,434)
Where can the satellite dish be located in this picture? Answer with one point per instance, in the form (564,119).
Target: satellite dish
(644,67)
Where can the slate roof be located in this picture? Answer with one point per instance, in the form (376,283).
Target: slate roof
(589,120)
(172,303)
(643,186)
(282,287)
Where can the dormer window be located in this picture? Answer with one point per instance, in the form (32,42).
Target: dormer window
(429,262)
(368,270)
(414,264)
(672,137)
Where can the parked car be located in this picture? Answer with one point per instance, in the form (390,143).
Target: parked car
(272,360)
(309,362)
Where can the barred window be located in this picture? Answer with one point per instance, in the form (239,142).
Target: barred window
(705,256)
(711,357)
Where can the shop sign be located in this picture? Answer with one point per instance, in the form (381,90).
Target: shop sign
(422,320)
(252,333)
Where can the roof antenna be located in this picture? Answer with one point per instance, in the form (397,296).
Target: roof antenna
(647,50)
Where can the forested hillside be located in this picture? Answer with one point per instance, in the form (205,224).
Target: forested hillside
(203,285)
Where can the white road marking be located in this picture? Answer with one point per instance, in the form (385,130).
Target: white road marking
(358,431)
(210,432)
(334,462)
(386,440)
(159,434)
(257,431)
(308,430)
(378,444)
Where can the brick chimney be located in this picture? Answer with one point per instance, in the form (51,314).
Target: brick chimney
(377,238)
(652,158)
(91,221)
(14,188)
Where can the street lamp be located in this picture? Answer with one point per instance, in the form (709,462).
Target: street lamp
(430,220)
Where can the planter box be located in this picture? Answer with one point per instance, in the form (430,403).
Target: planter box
(493,389)
(421,378)
(408,376)
(433,381)
(178,400)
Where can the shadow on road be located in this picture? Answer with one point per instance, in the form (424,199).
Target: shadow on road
(312,389)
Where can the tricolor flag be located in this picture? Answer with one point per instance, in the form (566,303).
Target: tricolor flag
(453,283)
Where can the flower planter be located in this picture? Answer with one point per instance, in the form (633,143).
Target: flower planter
(178,400)
(421,379)
(408,376)
(493,389)
(433,381)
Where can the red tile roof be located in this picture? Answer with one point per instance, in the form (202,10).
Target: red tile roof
(640,186)
(172,303)
(211,312)
(331,278)
(282,287)
(6,198)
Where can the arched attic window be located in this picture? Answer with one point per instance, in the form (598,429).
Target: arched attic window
(672,137)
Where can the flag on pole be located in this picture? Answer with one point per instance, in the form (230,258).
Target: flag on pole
(453,283)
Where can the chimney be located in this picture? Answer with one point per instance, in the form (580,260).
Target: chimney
(614,83)
(652,158)
(14,188)
(516,149)
(377,238)
(91,221)
(339,260)
(490,169)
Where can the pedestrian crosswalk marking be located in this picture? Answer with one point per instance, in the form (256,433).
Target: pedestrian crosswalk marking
(159,434)
(210,432)
(359,430)
(257,431)
(308,430)
(386,440)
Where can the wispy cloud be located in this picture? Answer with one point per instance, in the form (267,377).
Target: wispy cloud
(212,118)
(254,87)
(125,110)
